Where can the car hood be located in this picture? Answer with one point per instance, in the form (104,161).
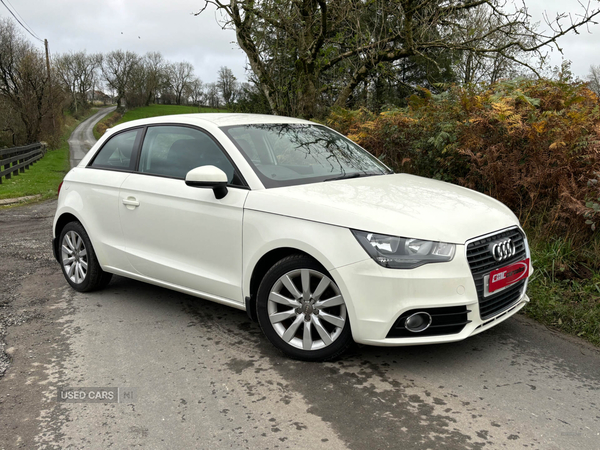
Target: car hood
(397,204)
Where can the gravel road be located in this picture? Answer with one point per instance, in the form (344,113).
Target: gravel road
(204,376)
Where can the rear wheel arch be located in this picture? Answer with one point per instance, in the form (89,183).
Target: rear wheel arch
(62,221)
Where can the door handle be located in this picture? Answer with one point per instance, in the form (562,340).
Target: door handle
(130,201)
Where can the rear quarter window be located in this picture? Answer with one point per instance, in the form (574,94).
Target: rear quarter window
(118,152)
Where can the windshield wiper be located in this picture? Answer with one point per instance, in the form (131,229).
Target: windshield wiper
(352,175)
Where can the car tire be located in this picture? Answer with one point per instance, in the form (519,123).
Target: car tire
(78,260)
(302,311)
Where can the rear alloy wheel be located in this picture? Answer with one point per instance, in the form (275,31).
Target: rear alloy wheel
(78,260)
(302,311)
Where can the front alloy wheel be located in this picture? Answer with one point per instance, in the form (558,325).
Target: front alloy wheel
(302,311)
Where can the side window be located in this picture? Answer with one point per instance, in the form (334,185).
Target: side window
(117,152)
(173,151)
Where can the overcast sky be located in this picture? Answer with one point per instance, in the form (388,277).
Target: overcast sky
(170,28)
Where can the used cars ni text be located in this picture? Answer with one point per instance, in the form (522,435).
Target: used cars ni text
(316,239)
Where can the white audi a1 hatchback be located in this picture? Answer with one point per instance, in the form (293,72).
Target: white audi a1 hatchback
(316,239)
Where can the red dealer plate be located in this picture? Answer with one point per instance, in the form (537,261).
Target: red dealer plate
(505,276)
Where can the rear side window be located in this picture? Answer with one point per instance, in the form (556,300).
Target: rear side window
(117,153)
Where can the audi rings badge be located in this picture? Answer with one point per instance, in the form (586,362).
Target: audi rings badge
(503,250)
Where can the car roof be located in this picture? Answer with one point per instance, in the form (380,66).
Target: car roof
(215,119)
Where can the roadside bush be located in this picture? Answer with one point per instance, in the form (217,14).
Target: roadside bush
(532,144)
(106,123)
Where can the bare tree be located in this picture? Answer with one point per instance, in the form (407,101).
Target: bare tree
(196,91)
(89,66)
(227,85)
(156,76)
(25,88)
(118,68)
(136,92)
(303,51)
(594,79)
(65,69)
(181,74)
(78,74)
(472,66)
(212,95)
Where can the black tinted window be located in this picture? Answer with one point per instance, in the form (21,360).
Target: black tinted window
(173,151)
(117,152)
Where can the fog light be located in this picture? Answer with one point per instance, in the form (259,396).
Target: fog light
(418,322)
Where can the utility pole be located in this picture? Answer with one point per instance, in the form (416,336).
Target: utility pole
(49,84)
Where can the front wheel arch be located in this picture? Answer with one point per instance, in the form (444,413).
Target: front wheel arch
(261,268)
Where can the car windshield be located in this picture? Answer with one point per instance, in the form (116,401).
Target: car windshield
(290,154)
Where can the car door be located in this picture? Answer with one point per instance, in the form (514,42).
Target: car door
(180,235)
(98,187)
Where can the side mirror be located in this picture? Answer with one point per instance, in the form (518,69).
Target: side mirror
(208,177)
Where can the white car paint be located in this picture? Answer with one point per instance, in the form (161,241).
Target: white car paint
(160,234)
(397,204)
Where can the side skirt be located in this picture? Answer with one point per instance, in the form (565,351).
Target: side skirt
(174,287)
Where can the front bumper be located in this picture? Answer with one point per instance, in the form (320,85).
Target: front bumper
(376,297)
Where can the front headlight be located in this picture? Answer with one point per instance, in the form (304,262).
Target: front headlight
(403,253)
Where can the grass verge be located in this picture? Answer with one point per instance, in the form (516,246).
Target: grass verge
(144,112)
(565,287)
(43,177)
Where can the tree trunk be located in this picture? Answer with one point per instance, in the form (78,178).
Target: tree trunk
(347,91)
(307,95)
(244,37)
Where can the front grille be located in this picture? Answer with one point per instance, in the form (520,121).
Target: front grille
(482,262)
(446,320)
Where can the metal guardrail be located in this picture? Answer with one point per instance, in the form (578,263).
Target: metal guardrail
(15,160)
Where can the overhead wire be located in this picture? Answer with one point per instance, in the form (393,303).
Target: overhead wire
(27,28)
(21,18)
